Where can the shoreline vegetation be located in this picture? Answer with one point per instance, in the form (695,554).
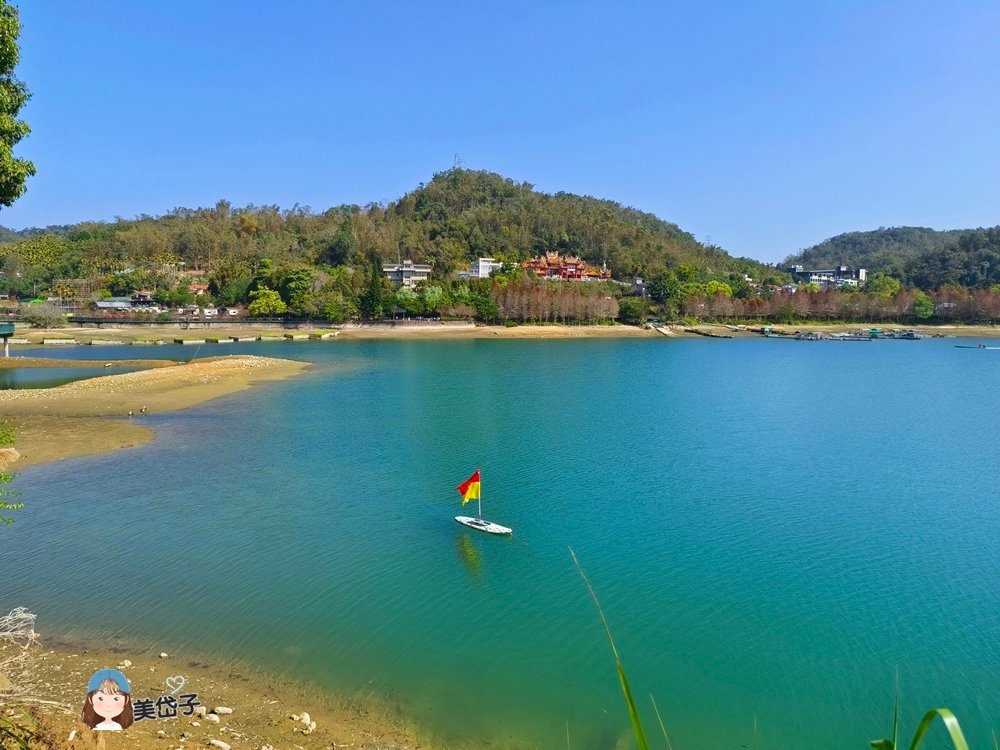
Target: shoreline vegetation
(87,417)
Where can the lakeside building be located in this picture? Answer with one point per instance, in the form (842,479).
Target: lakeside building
(569,268)
(140,301)
(114,304)
(484,267)
(407,273)
(838,276)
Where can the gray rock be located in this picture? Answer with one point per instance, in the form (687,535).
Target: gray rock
(220,744)
(222,710)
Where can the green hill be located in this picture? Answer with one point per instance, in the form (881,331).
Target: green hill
(972,260)
(921,257)
(462,214)
(458,216)
(883,250)
(16,235)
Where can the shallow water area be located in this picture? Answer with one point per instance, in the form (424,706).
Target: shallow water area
(773,528)
(50,377)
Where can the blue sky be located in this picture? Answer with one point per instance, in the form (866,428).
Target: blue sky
(763,127)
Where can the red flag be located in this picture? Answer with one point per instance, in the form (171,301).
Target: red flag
(469,489)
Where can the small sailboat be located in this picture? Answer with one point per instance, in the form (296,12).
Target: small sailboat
(471,489)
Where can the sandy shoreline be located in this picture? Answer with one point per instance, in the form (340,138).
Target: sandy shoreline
(92,416)
(53,683)
(446,330)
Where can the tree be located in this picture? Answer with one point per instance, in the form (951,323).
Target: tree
(923,306)
(41,315)
(633,311)
(337,309)
(713,288)
(883,286)
(410,301)
(13,95)
(266,302)
(294,284)
(370,305)
(663,287)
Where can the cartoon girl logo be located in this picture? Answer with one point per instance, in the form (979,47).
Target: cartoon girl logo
(109,701)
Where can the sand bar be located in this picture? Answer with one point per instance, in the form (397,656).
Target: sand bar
(67,420)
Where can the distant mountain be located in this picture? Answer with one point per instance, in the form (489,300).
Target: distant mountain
(16,235)
(883,250)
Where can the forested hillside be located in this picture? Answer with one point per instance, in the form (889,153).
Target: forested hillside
(881,251)
(319,263)
(923,258)
(459,216)
(973,260)
(328,265)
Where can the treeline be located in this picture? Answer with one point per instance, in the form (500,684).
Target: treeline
(894,303)
(327,265)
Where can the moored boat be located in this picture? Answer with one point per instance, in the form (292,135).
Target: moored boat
(471,489)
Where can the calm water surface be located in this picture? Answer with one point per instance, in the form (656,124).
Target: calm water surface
(774,528)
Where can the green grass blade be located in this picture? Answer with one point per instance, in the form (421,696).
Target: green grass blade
(950,723)
(593,595)
(640,734)
(891,744)
(659,718)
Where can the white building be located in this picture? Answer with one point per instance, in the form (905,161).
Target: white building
(406,273)
(483,267)
(838,276)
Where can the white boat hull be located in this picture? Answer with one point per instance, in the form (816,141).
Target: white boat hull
(480,525)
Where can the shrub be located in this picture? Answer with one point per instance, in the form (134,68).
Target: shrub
(43,316)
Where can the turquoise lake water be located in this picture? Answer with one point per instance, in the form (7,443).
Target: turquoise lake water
(775,528)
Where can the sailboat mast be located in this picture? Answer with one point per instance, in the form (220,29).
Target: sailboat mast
(480,498)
